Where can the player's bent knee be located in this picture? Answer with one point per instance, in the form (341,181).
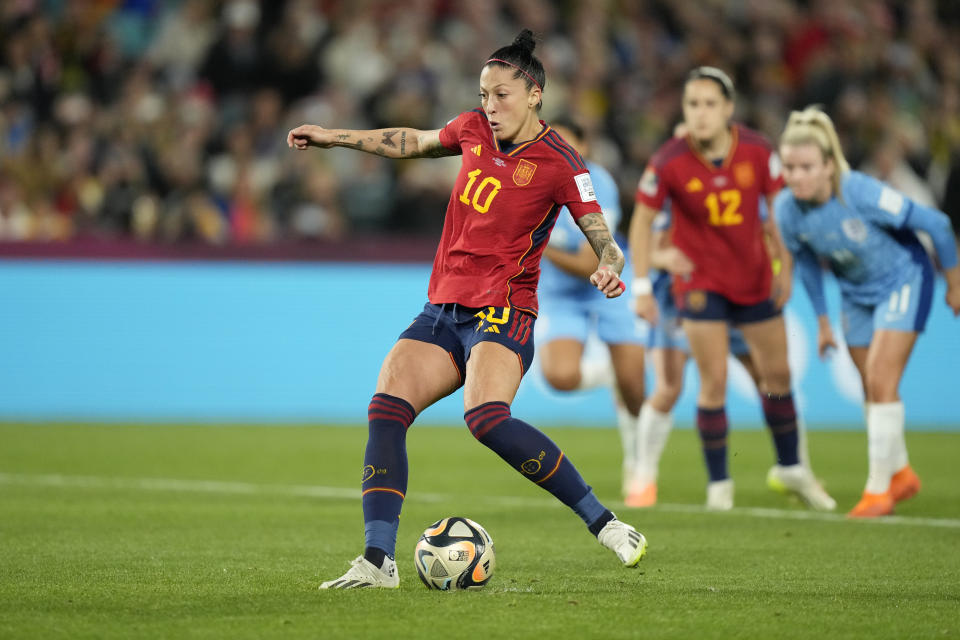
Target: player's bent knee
(668,393)
(777,381)
(563,380)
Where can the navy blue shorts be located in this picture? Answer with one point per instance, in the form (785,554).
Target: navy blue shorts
(457,329)
(707,305)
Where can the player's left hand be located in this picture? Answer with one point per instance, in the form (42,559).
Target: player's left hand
(606,280)
(953,299)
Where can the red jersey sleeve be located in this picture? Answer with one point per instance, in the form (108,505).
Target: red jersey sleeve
(773,176)
(652,189)
(450,134)
(575,192)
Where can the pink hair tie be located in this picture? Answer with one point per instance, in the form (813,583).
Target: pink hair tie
(515,67)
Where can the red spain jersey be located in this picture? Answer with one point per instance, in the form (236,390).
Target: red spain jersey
(716,215)
(501,212)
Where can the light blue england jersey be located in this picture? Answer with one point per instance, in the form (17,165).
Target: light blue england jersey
(866,235)
(567,236)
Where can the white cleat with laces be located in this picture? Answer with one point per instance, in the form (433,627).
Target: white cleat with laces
(800,481)
(625,541)
(363,574)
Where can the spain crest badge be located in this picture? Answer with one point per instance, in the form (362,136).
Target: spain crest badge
(523,174)
(743,175)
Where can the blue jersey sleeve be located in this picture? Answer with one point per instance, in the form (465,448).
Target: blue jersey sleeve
(810,275)
(878,203)
(888,207)
(784,209)
(937,224)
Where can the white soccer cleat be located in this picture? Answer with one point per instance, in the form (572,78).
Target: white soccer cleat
(800,481)
(720,495)
(363,574)
(625,541)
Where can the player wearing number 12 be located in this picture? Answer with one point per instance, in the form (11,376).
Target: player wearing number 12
(715,177)
(476,331)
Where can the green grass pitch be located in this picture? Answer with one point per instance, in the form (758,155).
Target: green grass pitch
(226,532)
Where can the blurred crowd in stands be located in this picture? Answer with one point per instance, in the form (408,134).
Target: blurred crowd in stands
(165,121)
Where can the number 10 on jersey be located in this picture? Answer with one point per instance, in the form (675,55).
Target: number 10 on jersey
(478,193)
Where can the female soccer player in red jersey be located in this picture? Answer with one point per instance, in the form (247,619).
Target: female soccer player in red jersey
(476,330)
(715,177)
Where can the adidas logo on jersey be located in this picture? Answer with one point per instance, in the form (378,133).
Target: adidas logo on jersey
(476,149)
(694,185)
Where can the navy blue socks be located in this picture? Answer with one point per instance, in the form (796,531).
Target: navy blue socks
(781,416)
(384,481)
(712,425)
(537,458)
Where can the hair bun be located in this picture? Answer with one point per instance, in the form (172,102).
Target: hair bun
(525,41)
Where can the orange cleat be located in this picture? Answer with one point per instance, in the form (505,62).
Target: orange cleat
(646,496)
(872,505)
(904,484)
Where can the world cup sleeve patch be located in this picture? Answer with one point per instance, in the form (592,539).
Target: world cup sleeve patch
(774,166)
(585,186)
(649,183)
(890,201)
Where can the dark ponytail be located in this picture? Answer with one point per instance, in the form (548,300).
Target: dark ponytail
(519,56)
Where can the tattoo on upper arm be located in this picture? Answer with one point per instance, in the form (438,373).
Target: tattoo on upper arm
(432,149)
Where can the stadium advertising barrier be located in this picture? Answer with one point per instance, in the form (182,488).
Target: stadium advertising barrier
(302,342)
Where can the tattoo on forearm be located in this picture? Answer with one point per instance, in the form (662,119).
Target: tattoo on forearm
(388,139)
(598,235)
(403,143)
(381,151)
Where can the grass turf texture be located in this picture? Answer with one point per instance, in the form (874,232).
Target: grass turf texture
(180,531)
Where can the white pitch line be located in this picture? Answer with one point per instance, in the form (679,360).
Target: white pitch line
(341,493)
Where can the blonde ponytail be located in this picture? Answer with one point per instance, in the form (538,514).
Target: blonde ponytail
(814,126)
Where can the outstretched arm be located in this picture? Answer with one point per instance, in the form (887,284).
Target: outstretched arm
(397,142)
(607,276)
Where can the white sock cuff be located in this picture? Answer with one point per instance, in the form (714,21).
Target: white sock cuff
(658,416)
(888,412)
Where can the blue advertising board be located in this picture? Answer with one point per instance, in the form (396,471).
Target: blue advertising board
(302,342)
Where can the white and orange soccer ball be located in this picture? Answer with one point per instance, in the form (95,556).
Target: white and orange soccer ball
(454,554)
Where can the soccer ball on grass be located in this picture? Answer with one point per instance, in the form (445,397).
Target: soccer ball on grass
(453,554)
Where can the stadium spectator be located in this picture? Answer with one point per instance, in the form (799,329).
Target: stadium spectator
(876,65)
(475,331)
(715,178)
(865,230)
